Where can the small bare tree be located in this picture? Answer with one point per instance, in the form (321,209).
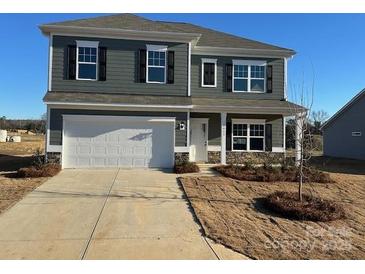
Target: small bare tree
(303,97)
(318,117)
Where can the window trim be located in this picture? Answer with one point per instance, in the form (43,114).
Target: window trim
(249,63)
(248,137)
(159,48)
(356,133)
(207,60)
(87,44)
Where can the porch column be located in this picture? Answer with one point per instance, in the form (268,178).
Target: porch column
(223,137)
(299,123)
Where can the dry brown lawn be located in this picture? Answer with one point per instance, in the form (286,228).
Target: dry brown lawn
(231,213)
(14,189)
(28,146)
(12,157)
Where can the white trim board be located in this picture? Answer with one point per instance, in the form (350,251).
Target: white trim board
(186,107)
(116,118)
(214,148)
(182,149)
(277,149)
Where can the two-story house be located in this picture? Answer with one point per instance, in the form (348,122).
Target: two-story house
(131,92)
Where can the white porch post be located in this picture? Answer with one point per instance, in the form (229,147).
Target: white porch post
(299,123)
(223,137)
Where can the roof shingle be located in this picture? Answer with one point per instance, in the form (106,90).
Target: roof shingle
(209,37)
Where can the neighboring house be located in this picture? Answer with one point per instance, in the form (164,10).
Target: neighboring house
(344,132)
(131,92)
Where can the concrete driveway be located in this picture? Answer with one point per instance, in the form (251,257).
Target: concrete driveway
(106,214)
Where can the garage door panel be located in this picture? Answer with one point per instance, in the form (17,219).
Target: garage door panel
(118,143)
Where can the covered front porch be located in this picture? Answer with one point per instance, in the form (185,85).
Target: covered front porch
(239,134)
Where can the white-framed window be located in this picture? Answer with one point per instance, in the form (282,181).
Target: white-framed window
(209,73)
(356,134)
(156,64)
(87,60)
(249,76)
(248,135)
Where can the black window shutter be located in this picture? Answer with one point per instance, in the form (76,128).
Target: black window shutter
(228,77)
(268,137)
(269,79)
(71,52)
(142,66)
(170,67)
(228,136)
(102,63)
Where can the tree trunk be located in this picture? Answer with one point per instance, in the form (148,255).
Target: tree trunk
(300,192)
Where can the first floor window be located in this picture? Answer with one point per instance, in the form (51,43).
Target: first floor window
(248,76)
(156,64)
(248,137)
(87,59)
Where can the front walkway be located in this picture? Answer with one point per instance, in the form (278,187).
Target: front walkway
(106,214)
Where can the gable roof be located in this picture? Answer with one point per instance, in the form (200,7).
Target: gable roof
(206,37)
(353,101)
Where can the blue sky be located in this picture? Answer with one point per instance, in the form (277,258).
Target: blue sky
(329,46)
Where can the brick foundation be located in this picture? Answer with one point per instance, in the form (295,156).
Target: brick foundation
(235,157)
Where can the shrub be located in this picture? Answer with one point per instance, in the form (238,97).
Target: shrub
(273,174)
(311,208)
(47,170)
(187,167)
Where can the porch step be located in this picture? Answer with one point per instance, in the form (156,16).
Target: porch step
(207,169)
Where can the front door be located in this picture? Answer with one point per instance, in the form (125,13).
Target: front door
(198,140)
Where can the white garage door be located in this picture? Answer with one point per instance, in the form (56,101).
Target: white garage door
(109,141)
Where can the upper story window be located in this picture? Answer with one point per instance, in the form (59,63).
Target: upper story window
(249,76)
(209,72)
(156,64)
(87,60)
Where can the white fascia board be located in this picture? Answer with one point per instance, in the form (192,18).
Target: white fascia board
(244,52)
(247,110)
(120,33)
(120,105)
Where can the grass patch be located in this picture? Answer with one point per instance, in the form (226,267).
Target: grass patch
(188,167)
(47,170)
(272,174)
(311,208)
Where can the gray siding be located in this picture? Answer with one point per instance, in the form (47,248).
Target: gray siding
(337,136)
(219,91)
(214,131)
(56,121)
(122,65)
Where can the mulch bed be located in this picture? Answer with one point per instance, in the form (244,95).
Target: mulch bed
(232,213)
(47,170)
(310,208)
(272,174)
(188,167)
